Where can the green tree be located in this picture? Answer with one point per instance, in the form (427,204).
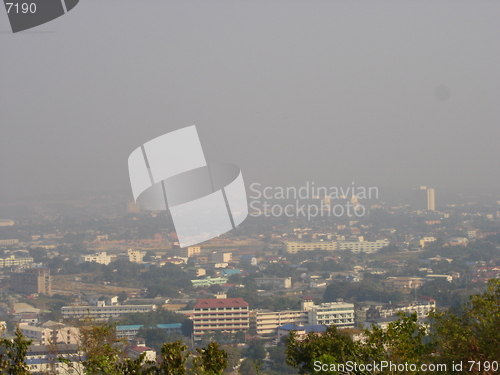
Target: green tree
(256,351)
(233,357)
(338,345)
(210,361)
(249,367)
(471,334)
(173,359)
(13,355)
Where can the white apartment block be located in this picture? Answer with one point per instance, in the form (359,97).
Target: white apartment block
(103,312)
(266,322)
(422,308)
(295,247)
(340,314)
(13,261)
(100,257)
(135,256)
(45,335)
(363,246)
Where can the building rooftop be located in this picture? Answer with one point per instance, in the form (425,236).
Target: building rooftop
(222,302)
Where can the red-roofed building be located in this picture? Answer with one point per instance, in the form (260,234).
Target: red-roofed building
(220,314)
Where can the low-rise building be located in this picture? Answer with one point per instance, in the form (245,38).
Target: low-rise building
(274,282)
(135,256)
(363,246)
(207,281)
(13,261)
(295,247)
(218,257)
(129,332)
(265,322)
(103,312)
(52,333)
(99,257)
(248,260)
(196,272)
(340,314)
(9,242)
(300,330)
(41,359)
(433,277)
(403,284)
(136,351)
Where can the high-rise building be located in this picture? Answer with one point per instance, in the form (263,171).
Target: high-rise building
(220,314)
(431,202)
(423,199)
(32,280)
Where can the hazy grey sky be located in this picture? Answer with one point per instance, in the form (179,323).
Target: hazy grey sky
(401,93)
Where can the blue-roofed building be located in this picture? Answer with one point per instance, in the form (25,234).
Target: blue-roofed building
(129,332)
(229,272)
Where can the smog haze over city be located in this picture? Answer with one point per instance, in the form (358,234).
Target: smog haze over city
(393,94)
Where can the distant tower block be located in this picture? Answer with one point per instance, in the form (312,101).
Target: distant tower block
(133,207)
(327,201)
(431,201)
(355,203)
(423,199)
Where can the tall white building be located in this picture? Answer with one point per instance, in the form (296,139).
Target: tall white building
(431,200)
(423,199)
